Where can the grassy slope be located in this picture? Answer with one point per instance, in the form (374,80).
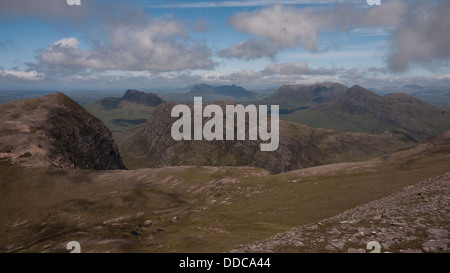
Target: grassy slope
(320,119)
(126,116)
(217,207)
(422,117)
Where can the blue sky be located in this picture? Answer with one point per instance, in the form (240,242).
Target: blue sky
(148,45)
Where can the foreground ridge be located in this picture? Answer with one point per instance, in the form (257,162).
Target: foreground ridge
(414,219)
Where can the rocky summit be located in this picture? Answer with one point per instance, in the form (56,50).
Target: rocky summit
(139,97)
(54,130)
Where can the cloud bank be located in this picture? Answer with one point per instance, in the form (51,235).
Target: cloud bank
(154,46)
(423,37)
(282,27)
(420,31)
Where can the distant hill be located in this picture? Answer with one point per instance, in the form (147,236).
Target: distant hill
(54,130)
(139,97)
(120,114)
(225,90)
(130,96)
(151,145)
(436,95)
(296,97)
(211,93)
(361,110)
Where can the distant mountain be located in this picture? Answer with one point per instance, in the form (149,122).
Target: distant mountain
(436,95)
(139,97)
(439,96)
(224,90)
(211,93)
(296,97)
(300,146)
(361,110)
(55,130)
(131,96)
(120,114)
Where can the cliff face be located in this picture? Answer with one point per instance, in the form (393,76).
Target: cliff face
(55,130)
(300,146)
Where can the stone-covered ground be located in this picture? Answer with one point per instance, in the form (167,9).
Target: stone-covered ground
(415,219)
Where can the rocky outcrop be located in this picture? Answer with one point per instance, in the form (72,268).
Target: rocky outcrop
(55,130)
(415,219)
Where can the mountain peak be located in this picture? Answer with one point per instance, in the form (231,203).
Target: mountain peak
(360,95)
(357,89)
(291,97)
(362,110)
(139,97)
(54,130)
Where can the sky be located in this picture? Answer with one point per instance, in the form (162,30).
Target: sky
(258,44)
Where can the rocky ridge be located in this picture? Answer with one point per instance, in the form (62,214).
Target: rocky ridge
(54,130)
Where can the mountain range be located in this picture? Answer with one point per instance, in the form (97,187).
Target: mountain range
(300,146)
(211,93)
(295,97)
(225,90)
(361,110)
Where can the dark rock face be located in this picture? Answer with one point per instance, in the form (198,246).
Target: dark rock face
(300,146)
(139,97)
(56,130)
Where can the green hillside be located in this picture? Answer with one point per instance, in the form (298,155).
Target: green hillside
(361,110)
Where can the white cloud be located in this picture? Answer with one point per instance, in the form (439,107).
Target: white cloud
(250,49)
(281,27)
(156,45)
(422,38)
(22,75)
(297,68)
